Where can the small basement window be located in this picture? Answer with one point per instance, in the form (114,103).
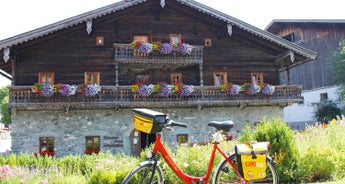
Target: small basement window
(46,144)
(182,139)
(92,144)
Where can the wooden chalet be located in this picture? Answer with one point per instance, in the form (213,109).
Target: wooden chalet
(95,48)
(320,35)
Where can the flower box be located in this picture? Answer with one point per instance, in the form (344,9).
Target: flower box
(44,153)
(91,151)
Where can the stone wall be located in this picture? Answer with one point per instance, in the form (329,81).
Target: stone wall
(69,129)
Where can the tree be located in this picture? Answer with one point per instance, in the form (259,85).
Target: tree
(338,69)
(4,108)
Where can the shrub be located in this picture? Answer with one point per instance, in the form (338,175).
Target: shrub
(194,160)
(5,112)
(283,147)
(319,163)
(325,111)
(322,152)
(102,176)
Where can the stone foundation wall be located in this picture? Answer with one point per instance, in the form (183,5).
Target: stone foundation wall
(69,129)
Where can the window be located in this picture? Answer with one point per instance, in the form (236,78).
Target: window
(182,139)
(175,78)
(208,42)
(92,144)
(99,40)
(290,37)
(145,79)
(140,38)
(46,78)
(220,78)
(258,77)
(91,78)
(46,144)
(175,38)
(323,97)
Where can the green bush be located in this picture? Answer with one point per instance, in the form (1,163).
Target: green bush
(320,157)
(325,111)
(282,146)
(194,160)
(318,163)
(102,176)
(322,151)
(4,108)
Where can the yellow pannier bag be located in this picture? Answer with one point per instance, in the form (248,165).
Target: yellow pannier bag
(252,159)
(148,121)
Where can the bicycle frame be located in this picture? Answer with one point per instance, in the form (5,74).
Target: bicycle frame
(159,148)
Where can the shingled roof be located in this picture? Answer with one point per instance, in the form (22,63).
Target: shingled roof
(100,12)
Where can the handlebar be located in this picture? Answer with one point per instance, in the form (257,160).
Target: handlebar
(175,123)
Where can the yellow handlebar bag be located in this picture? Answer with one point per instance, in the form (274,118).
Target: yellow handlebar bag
(252,160)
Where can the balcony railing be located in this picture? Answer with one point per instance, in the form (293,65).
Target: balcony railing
(125,53)
(112,96)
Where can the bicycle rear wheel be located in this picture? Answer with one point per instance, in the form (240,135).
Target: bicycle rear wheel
(143,174)
(225,174)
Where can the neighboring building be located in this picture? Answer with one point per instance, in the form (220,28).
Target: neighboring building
(94,48)
(323,37)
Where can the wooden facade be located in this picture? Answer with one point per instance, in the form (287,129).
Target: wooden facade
(70,52)
(95,46)
(321,36)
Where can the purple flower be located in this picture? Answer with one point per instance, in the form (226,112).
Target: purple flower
(235,89)
(145,47)
(268,90)
(47,90)
(251,90)
(146,90)
(184,48)
(92,90)
(166,48)
(166,90)
(187,90)
(65,89)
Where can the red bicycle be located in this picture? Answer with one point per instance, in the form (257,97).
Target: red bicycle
(229,170)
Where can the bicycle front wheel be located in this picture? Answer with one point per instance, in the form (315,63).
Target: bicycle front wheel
(145,173)
(225,174)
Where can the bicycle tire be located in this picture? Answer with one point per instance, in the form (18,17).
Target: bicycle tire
(142,174)
(225,174)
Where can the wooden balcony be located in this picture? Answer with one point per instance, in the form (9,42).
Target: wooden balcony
(22,97)
(124,53)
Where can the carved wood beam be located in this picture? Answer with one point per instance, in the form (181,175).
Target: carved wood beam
(285,55)
(229,26)
(89,26)
(162,3)
(6,54)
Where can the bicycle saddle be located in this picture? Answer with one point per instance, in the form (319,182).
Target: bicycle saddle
(222,125)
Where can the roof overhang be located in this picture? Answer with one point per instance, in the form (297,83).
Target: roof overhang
(100,12)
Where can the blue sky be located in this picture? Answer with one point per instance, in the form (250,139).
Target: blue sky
(19,16)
